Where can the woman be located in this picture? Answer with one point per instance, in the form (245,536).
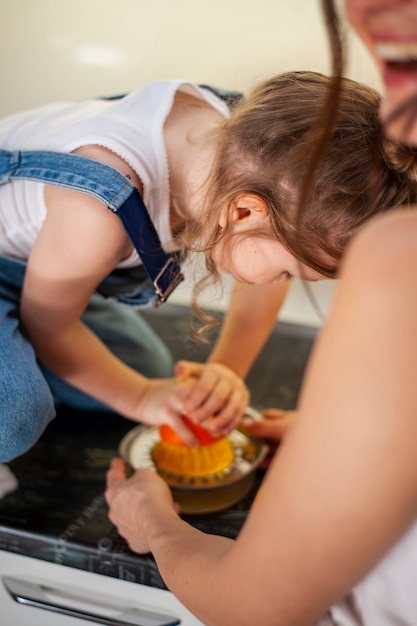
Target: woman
(336,516)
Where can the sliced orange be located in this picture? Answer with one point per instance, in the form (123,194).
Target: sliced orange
(169,435)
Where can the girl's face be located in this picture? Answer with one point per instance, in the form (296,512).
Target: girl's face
(251,252)
(260,260)
(389,30)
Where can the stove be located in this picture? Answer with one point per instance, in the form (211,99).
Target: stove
(58,514)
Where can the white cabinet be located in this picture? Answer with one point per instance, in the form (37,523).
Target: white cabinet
(72,597)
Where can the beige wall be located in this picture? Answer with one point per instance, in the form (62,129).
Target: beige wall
(74,49)
(65,49)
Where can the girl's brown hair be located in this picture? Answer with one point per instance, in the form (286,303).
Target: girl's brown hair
(267,148)
(313,148)
(390,179)
(269,145)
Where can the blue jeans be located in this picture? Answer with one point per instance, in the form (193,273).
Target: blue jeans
(29,392)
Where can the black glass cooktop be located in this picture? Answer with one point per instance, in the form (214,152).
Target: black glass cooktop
(58,513)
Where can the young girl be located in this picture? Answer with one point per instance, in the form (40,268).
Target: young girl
(161,140)
(336,515)
(58,245)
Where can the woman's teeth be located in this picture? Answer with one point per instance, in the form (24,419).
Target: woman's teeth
(397,53)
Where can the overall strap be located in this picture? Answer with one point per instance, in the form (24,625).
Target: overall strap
(110,187)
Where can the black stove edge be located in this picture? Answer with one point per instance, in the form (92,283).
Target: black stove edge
(107,558)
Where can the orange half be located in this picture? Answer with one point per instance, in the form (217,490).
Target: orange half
(169,435)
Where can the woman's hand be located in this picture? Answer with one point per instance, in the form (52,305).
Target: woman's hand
(275,424)
(129,500)
(212,395)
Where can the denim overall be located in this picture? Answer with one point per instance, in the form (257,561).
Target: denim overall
(29,392)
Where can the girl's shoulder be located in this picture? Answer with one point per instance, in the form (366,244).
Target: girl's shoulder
(109,157)
(184,98)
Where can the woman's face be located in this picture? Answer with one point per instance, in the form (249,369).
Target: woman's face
(389,30)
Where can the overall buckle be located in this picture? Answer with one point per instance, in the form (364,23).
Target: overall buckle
(170,272)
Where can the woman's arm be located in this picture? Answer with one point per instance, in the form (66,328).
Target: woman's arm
(342,488)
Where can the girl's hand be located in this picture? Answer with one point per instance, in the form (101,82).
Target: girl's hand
(275,424)
(128,498)
(213,395)
(161,402)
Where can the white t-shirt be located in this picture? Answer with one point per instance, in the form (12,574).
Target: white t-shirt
(132,127)
(387,596)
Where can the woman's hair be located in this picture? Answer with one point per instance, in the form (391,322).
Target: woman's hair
(268,147)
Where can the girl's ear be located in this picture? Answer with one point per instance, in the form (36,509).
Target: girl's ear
(246,206)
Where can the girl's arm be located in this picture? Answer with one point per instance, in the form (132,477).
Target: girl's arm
(80,244)
(342,487)
(248,322)
(220,389)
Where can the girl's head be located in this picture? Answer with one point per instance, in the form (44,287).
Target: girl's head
(261,166)
(389,30)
